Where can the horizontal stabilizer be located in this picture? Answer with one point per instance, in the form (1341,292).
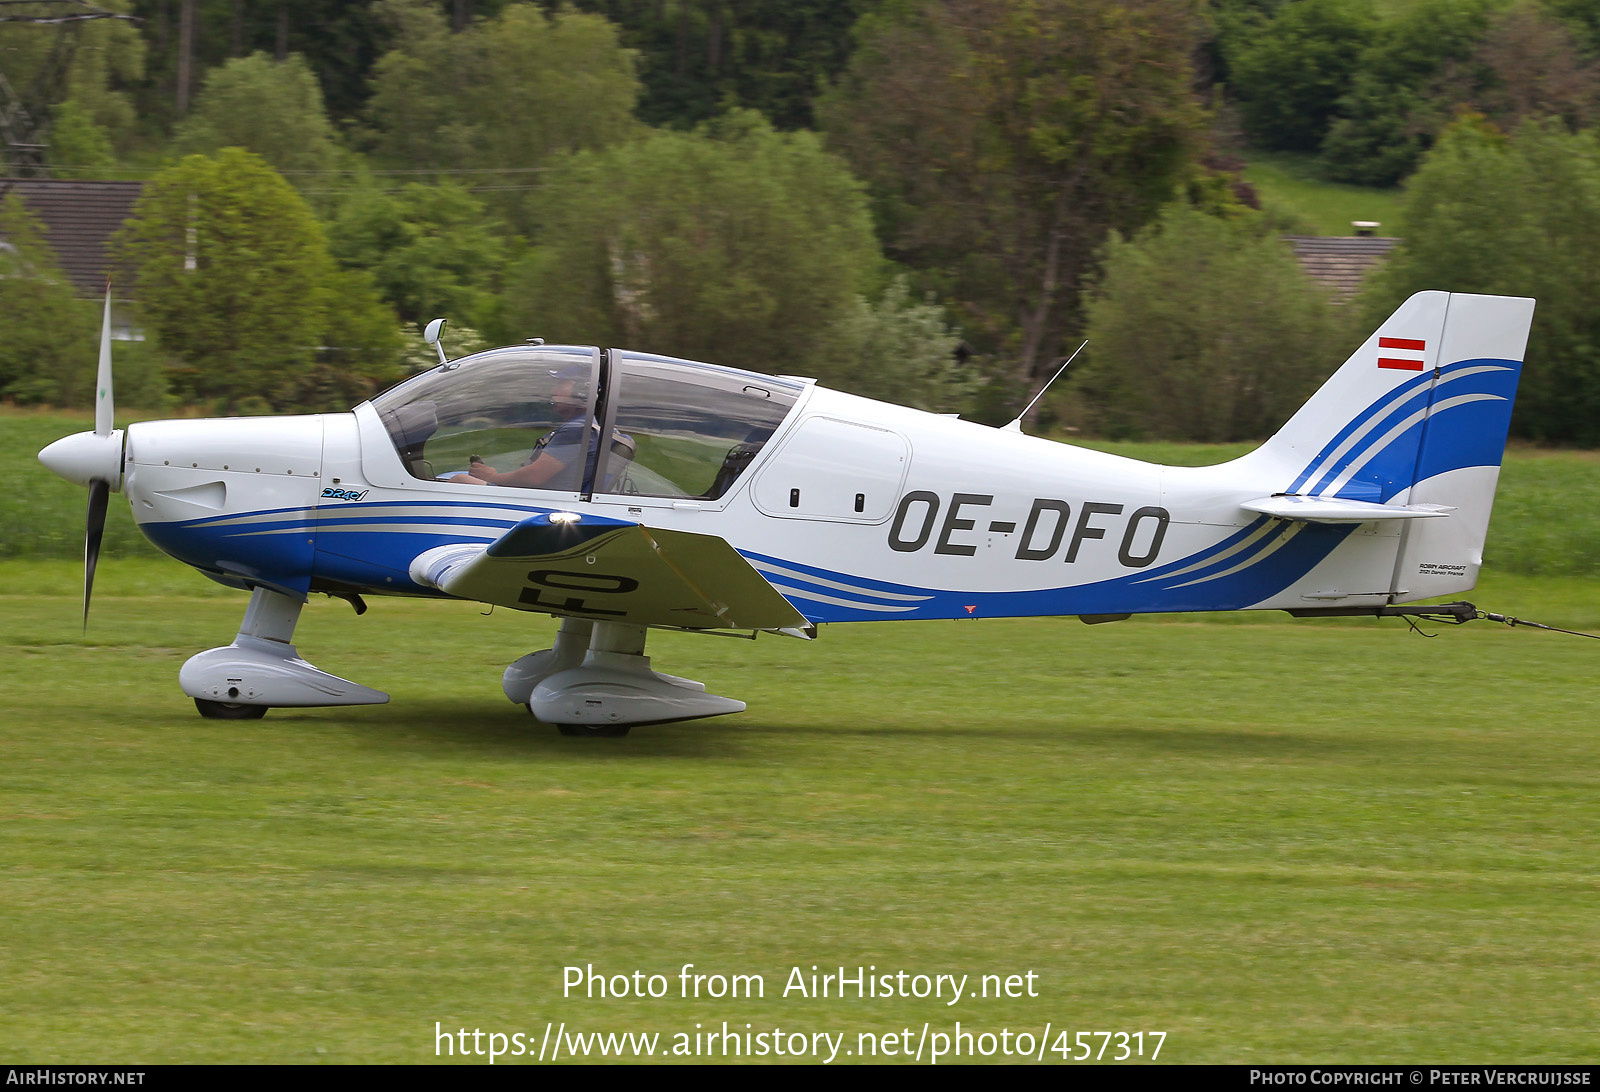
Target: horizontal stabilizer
(610,570)
(1339,509)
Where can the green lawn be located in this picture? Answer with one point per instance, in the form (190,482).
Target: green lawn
(40,514)
(1274,840)
(1289,183)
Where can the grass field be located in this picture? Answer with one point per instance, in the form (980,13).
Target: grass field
(1274,840)
(42,515)
(1289,183)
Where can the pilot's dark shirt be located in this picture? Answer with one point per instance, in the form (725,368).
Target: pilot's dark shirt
(563,445)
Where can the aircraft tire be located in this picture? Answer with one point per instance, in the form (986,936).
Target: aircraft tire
(594,731)
(227,710)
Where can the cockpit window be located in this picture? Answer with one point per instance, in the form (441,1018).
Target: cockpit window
(505,407)
(529,418)
(688,430)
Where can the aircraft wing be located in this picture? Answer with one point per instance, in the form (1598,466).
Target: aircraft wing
(610,570)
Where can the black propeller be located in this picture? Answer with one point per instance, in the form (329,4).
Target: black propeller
(99,499)
(94,459)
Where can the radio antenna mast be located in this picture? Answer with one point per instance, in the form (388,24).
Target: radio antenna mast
(1016,426)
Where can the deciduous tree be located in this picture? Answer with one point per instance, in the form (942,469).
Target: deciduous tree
(1529,65)
(1518,216)
(700,57)
(1004,139)
(272,108)
(432,250)
(48,351)
(90,65)
(1288,72)
(514,94)
(340,42)
(234,277)
(1391,113)
(733,243)
(1206,329)
(898,350)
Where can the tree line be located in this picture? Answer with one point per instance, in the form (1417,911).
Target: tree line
(928,201)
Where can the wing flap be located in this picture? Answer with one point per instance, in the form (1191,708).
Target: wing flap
(1339,509)
(611,570)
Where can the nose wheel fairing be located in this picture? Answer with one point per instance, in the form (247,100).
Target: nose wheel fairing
(262,668)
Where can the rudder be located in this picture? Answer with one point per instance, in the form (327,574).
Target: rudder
(1418,415)
(1463,444)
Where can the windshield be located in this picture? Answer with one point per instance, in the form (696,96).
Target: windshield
(487,419)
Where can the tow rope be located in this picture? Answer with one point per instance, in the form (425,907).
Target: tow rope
(1451,614)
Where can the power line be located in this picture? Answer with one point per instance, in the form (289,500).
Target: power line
(94,12)
(450,171)
(466,189)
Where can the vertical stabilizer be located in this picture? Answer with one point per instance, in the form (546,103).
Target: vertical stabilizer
(1463,444)
(1418,415)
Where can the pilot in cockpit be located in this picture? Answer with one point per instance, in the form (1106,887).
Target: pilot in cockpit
(557,460)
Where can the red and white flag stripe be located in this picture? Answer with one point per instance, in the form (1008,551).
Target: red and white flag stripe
(1404,344)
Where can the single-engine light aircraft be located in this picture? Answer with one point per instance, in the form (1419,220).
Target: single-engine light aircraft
(621,492)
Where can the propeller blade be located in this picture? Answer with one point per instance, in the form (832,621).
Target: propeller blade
(99,498)
(102,383)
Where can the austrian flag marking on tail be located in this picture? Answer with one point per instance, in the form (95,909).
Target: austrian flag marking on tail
(1405,344)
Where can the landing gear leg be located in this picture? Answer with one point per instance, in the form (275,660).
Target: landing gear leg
(572,643)
(597,682)
(261,668)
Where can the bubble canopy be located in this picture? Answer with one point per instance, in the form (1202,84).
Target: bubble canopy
(534,417)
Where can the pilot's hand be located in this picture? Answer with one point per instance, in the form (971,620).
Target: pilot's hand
(478,468)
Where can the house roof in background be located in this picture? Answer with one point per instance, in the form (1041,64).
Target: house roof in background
(1339,262)
(79,218)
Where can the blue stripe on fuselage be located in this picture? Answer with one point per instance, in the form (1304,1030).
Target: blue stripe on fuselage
(292,546)
(332,545)
(1196,590)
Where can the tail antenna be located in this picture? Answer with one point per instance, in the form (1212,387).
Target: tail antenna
(1016,426)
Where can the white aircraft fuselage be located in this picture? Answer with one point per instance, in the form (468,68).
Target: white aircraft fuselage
(1377,492)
